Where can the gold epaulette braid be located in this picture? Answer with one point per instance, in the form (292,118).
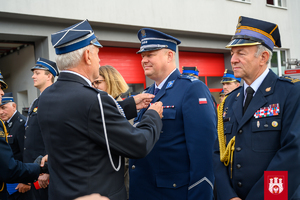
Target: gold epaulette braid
(5,133)
(226,153)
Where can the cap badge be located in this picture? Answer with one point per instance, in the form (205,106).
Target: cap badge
(268,89)
(143,32)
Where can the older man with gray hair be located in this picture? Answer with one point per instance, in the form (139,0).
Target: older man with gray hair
(85,131)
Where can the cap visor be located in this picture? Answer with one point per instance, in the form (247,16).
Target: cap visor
(97,44)
(241,42)
(4,86)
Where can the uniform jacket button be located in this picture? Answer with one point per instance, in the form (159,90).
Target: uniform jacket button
(240,131)
(24,148)
(174,185)
(240,184)
(24,136)
(133,167)
(238,166)
(238,149)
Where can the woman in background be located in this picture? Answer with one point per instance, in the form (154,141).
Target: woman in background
(111,81)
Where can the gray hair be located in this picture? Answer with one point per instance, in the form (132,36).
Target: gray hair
(71,59)
(261,49)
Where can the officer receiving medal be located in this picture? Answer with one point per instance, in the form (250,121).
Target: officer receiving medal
(180,164)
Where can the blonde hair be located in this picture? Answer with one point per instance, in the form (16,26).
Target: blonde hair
(116,84)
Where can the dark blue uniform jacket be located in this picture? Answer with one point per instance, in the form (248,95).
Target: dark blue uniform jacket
(71,124)
(180,164)
(262,144)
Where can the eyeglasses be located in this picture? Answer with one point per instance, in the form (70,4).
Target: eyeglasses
(97,82)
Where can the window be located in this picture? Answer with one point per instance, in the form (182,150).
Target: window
(245,1)
(278,62)
(277,3)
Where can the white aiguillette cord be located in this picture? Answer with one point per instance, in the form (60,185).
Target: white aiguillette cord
(105,134)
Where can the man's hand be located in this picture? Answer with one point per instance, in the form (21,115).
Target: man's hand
(22,188)
(235,198)
(143,100)
(44,180)
(157,106)
(93,197)
(44,159)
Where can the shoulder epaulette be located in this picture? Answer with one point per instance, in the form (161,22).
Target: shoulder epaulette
(191,78)
(289,79)
(233,90)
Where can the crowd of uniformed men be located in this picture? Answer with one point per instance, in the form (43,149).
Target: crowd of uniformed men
(179,146)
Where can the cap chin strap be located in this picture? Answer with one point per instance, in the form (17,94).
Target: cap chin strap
(105,134)
(226,153)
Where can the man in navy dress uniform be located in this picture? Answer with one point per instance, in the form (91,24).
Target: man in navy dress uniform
(85,130)
(229,81)
(259,122)
(14,122)
(180,165)
(44,72)
(11,170)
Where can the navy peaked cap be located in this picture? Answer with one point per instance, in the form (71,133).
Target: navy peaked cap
(74,37)
(229,77)
(4,85)
(153,40)
(253,32)
(221,93)
(190,70)
(48,65)
(6,98)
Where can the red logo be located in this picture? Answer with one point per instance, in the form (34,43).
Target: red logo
(276,185)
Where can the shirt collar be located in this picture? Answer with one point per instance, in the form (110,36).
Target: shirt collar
(11,117)
(255,85)
(71,72)
(163,82)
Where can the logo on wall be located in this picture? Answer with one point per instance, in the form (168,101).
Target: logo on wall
(276,185)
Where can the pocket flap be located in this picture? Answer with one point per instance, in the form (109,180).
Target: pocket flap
(169,113)
(266,124)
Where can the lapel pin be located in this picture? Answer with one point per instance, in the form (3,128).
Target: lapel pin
(274,124)
(238,95)
(268,89)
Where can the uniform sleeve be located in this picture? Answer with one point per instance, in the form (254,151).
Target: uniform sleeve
(124,139)
(287,157)
(13,171)
(200,132)
(129,107)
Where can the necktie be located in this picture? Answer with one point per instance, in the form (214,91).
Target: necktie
(156,90)
(250,93)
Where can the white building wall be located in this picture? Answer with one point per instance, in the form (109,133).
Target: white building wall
(201,25)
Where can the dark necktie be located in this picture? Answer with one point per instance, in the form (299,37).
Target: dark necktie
(156,90)
(250,93)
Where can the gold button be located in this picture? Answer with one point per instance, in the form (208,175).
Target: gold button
(133,167)
(174,185)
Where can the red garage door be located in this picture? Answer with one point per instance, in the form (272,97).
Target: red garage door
(126,61)
(210,65)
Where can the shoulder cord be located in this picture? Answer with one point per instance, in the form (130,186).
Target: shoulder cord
(5,133)
(226,153)
(105,134)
